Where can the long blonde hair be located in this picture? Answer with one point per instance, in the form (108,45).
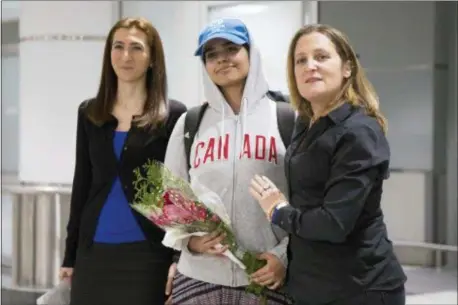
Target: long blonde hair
(356,89)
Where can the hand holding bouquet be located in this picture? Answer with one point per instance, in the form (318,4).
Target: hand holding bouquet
(172,204)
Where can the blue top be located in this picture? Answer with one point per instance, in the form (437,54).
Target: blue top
(117,223)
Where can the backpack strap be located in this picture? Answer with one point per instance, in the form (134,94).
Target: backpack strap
(191,126)
(286,120)
(285,116)
(277,96)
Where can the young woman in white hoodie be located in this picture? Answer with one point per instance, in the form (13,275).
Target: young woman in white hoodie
(237,137)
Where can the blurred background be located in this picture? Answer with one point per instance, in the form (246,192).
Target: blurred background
(51,62)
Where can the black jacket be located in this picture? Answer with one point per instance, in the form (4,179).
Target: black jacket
(96,169)
(338,244)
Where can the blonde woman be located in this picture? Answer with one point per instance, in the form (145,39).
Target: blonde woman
(339,251)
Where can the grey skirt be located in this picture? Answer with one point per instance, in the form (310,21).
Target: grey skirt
(189,291)
(119,274)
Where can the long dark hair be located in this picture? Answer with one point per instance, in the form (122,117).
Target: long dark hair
(155,108)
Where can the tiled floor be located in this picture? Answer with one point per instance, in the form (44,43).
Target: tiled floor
(427,286)
(439,298)
(424,286)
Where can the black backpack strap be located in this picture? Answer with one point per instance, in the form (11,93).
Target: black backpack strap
(285,116)
(191,126)
(277,96)
(286,119)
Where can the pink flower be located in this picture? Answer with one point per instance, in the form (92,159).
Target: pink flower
(177,214)
(215,218)
(176,197)
(193,207)
(202,214)
(160,220)
(167,199)
(179,209)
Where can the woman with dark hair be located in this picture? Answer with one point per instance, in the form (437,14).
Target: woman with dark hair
(113,254)
(239,108)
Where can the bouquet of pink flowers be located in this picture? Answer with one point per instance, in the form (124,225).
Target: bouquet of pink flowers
(173,205)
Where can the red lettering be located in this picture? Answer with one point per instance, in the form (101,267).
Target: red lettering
(220,150)
(210,150)
(246,147)
(196,157)
(223,148)
(260,144)
(273,151)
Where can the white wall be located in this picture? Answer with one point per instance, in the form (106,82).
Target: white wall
(178,23)
(56,75)
(10,113)
(405,196)
(10,10)
(10,94)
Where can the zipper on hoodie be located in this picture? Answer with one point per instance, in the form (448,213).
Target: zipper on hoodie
(234,179)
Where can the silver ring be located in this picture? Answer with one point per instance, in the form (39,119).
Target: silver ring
(265,189)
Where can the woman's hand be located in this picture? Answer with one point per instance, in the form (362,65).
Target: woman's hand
(65,274)
(266,193)
(168,286)
(208,243)
(272,275)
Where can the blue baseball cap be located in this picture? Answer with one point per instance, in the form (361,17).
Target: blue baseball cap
(233,30)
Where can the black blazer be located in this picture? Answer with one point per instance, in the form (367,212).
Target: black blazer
(96,169)
(338,239)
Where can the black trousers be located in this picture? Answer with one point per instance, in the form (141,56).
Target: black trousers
(394,297)
(119,274)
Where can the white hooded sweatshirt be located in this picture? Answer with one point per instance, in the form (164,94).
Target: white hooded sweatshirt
(228,150)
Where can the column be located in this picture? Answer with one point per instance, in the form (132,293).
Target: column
(452,134)
(445,127)
(61,50)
